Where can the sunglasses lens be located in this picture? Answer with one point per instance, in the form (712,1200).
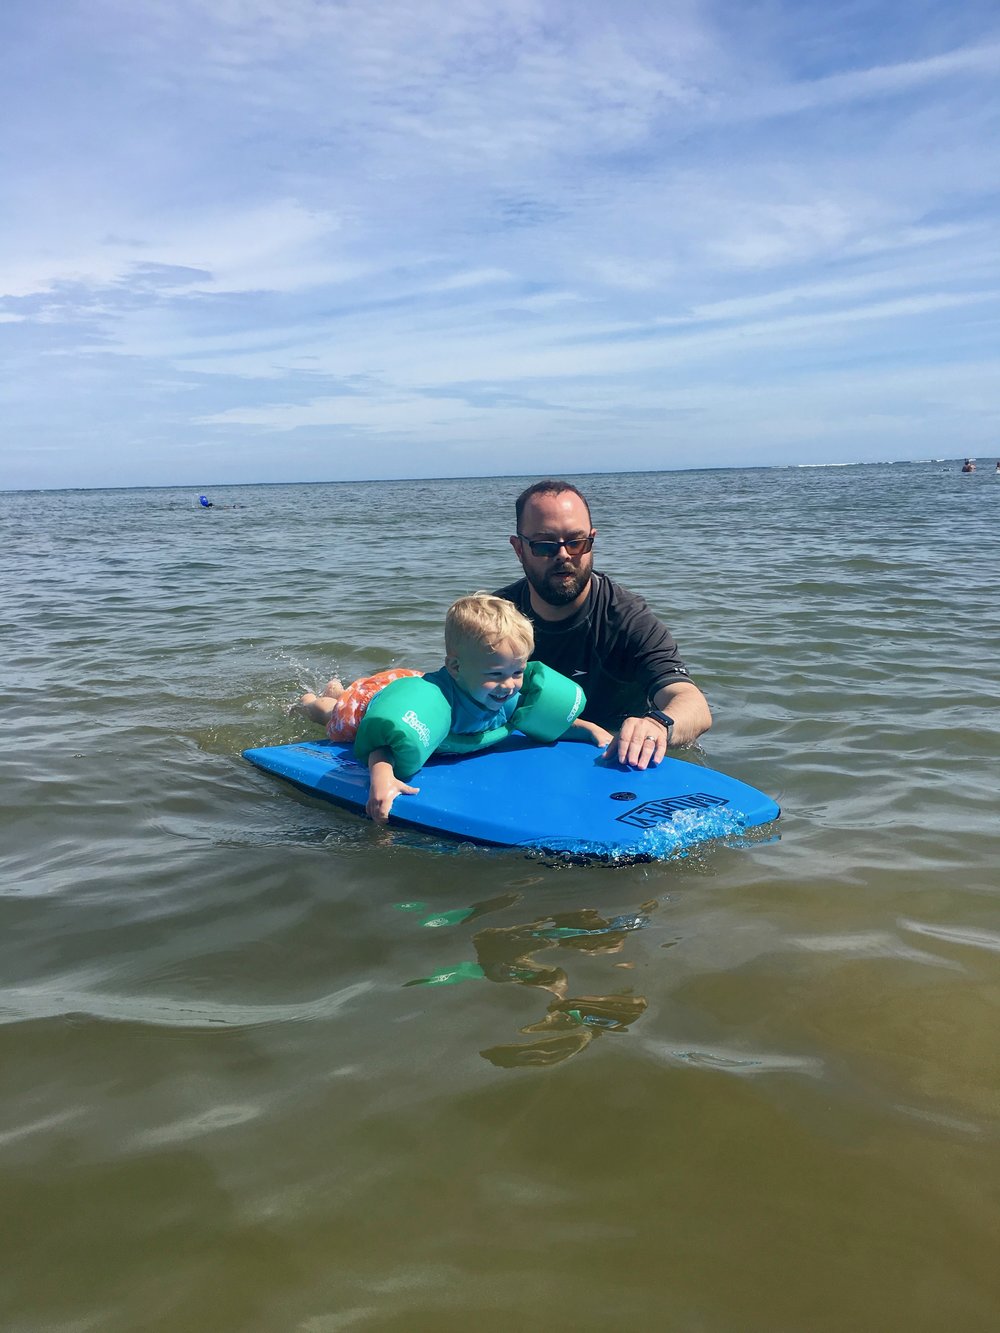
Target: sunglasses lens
(572,548)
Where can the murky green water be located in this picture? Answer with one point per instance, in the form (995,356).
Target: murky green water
(755,1089)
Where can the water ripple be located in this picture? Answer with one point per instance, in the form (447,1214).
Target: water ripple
(28,1003)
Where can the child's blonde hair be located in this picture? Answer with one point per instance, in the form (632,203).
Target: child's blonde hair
(488,622)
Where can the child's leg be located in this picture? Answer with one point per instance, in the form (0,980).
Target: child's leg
(340,710)
(318,707)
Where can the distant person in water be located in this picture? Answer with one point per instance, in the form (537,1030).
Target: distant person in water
(598,633)
(970,465)
(487,646)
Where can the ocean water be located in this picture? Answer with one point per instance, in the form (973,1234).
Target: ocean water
(756,1088)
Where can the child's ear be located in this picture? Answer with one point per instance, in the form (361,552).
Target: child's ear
(451,666)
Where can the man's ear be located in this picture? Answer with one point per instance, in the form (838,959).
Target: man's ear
(518,548)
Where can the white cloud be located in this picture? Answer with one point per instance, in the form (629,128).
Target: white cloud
(433,224)
(273,247)
(877,81)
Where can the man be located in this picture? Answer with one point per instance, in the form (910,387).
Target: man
(599,634)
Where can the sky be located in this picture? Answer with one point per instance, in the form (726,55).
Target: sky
(322,240)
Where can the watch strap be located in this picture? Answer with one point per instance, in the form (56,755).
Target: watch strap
(658,715)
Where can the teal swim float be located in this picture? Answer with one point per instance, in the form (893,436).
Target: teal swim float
(412,719)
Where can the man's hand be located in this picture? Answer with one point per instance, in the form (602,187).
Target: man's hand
(641,742)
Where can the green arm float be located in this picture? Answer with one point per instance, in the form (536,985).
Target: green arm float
(410,718)
(549,703)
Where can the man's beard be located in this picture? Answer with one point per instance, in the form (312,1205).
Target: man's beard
(556,590)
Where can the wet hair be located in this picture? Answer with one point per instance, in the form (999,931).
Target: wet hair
(548,487)
(488,622)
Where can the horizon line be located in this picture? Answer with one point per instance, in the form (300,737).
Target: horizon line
(491,476)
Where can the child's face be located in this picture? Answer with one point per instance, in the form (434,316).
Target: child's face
(490,677)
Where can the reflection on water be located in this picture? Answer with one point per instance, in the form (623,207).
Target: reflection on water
(510,954)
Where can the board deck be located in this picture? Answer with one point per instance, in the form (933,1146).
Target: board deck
(561,798)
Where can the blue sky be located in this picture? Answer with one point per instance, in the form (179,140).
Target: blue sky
(282,240)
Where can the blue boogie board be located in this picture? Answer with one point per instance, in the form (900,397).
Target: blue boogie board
(562,798)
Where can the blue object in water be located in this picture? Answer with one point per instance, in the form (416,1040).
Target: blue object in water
(205,501)
(563,798)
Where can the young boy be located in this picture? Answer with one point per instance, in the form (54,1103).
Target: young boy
(487,646)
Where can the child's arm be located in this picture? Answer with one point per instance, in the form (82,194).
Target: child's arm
(589,732)
(385,786)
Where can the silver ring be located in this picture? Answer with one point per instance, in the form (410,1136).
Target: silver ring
(649,738)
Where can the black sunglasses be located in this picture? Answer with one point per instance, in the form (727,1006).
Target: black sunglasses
(574,546)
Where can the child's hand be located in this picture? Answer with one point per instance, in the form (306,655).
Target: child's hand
(383,792)
(589,732)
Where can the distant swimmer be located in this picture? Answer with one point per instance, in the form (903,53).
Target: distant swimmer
(205,502)
(970,465)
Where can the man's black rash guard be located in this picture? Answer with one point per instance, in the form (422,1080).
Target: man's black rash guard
(613,646)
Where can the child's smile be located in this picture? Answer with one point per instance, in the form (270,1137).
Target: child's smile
(489,677)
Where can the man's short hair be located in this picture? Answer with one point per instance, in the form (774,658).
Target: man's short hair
(548,487)
(488,622)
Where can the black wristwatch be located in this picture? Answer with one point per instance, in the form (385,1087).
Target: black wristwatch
(658,716)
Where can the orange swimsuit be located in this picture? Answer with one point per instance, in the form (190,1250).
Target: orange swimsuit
(350,707)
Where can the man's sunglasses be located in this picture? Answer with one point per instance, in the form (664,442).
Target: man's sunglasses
(574,546)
